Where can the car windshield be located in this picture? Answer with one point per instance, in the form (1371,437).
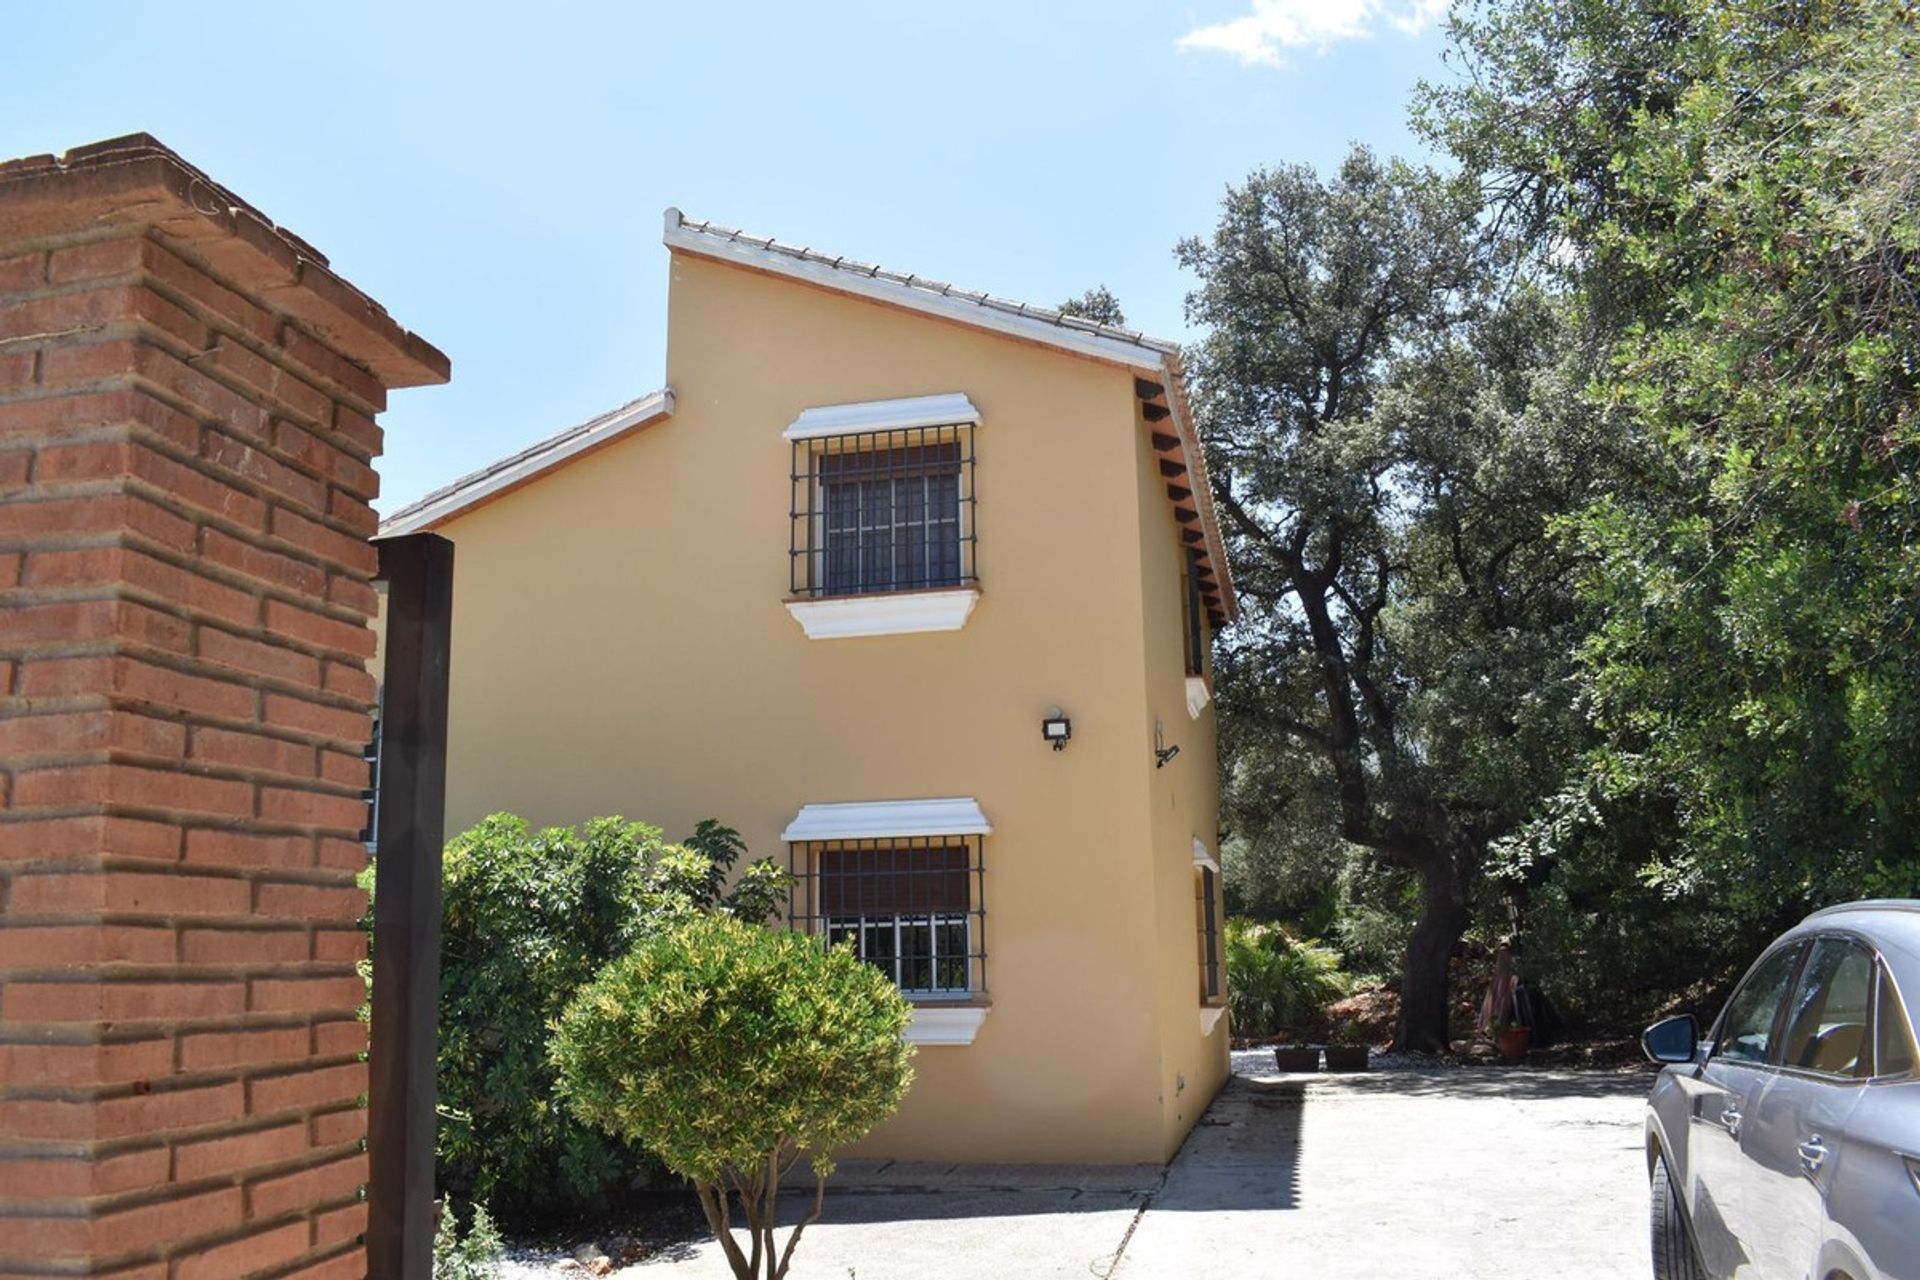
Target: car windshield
(1746,1029)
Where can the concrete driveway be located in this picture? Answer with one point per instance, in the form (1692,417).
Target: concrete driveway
(1416,1175)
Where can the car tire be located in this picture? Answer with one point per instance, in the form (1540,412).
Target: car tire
(1674,1257)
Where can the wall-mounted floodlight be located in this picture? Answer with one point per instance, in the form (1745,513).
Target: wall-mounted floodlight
(1056,728)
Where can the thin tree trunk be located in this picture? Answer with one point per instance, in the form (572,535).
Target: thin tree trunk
(713,1203)
(819,1202)
(772,1216)
(1425,995)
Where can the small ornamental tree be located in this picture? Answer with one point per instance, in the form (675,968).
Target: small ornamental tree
(732,1051)
(531,916)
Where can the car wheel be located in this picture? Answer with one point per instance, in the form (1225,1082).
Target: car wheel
(1673,1254)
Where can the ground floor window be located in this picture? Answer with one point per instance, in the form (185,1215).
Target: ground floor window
(1209,921)
(912,908)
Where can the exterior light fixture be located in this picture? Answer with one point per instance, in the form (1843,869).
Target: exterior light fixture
(1161,752)
(1056,728)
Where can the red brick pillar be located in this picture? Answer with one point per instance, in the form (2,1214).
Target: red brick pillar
(187,401)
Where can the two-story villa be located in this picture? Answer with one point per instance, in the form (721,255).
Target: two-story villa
(917,584)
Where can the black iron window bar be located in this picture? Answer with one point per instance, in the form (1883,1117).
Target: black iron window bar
(1209,934)
(913,908)
(880,511)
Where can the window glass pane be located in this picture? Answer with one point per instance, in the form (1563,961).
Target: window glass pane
(916,953)
(1827,1019)
(878,948)
(950,947)
(1894,1034)
(892,517)
(1747,1028)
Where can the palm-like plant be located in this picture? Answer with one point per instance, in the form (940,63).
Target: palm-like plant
(1276,981)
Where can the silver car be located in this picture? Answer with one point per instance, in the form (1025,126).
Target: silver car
(1785,1145)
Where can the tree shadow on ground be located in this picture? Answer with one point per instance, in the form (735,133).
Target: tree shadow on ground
(1484,1083)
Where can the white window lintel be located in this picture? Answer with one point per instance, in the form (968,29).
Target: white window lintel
(947,410)
(1202,857)
(888,819)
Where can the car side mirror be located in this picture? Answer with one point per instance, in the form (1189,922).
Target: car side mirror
(1672,1039)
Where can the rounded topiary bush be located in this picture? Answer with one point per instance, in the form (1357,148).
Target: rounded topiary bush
(531,916)
(730,1051)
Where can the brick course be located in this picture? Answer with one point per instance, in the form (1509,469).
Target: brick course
(187,401)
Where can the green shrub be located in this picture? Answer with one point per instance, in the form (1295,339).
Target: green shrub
(731,1052)
(531,916)
(475,1256)
(1276,982)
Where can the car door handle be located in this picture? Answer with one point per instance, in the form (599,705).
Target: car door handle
(1813,1152)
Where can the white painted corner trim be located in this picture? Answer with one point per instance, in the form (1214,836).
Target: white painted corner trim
(945,1024)
(948,410)
(1210,1016)
(892,614)
(1198,695)
(1203,858)
(882,819)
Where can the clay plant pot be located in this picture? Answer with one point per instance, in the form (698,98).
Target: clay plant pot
(1512,1043)
(1293,1057)
(1347,1057)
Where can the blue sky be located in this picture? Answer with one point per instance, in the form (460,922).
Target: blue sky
(495,174)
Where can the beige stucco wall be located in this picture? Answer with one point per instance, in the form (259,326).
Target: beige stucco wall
(620,646)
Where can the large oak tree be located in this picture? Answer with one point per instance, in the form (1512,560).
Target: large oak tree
(1389,435)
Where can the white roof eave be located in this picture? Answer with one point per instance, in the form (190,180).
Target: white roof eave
(965,310)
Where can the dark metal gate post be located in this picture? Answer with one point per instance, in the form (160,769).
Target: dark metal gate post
(408,834)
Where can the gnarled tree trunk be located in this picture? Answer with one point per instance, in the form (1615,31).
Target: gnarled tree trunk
(1425,998)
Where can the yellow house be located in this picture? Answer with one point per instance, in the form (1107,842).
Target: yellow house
(914,584)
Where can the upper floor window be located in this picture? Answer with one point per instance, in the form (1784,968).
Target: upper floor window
(1196,628)
(882,498)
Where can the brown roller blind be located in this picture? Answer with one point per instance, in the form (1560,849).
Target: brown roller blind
(893,881)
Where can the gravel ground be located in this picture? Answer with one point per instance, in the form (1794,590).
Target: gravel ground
(1411,1170)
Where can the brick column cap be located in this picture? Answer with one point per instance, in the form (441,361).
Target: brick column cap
(136,181)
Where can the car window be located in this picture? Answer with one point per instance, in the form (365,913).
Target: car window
(1832,1002)
(1746,1028)
(1894,1036)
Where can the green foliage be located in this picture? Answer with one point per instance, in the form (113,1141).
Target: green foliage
(1727,189)
(1389,436)
(531,916)
(731,1051)
(1097,305)
(474,1256)
(1276,982)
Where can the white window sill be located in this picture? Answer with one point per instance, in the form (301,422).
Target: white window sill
(1210,1016)
(944,1024)
(1198,695)
(889,614)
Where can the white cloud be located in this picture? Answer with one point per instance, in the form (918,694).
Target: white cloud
(1260,37)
